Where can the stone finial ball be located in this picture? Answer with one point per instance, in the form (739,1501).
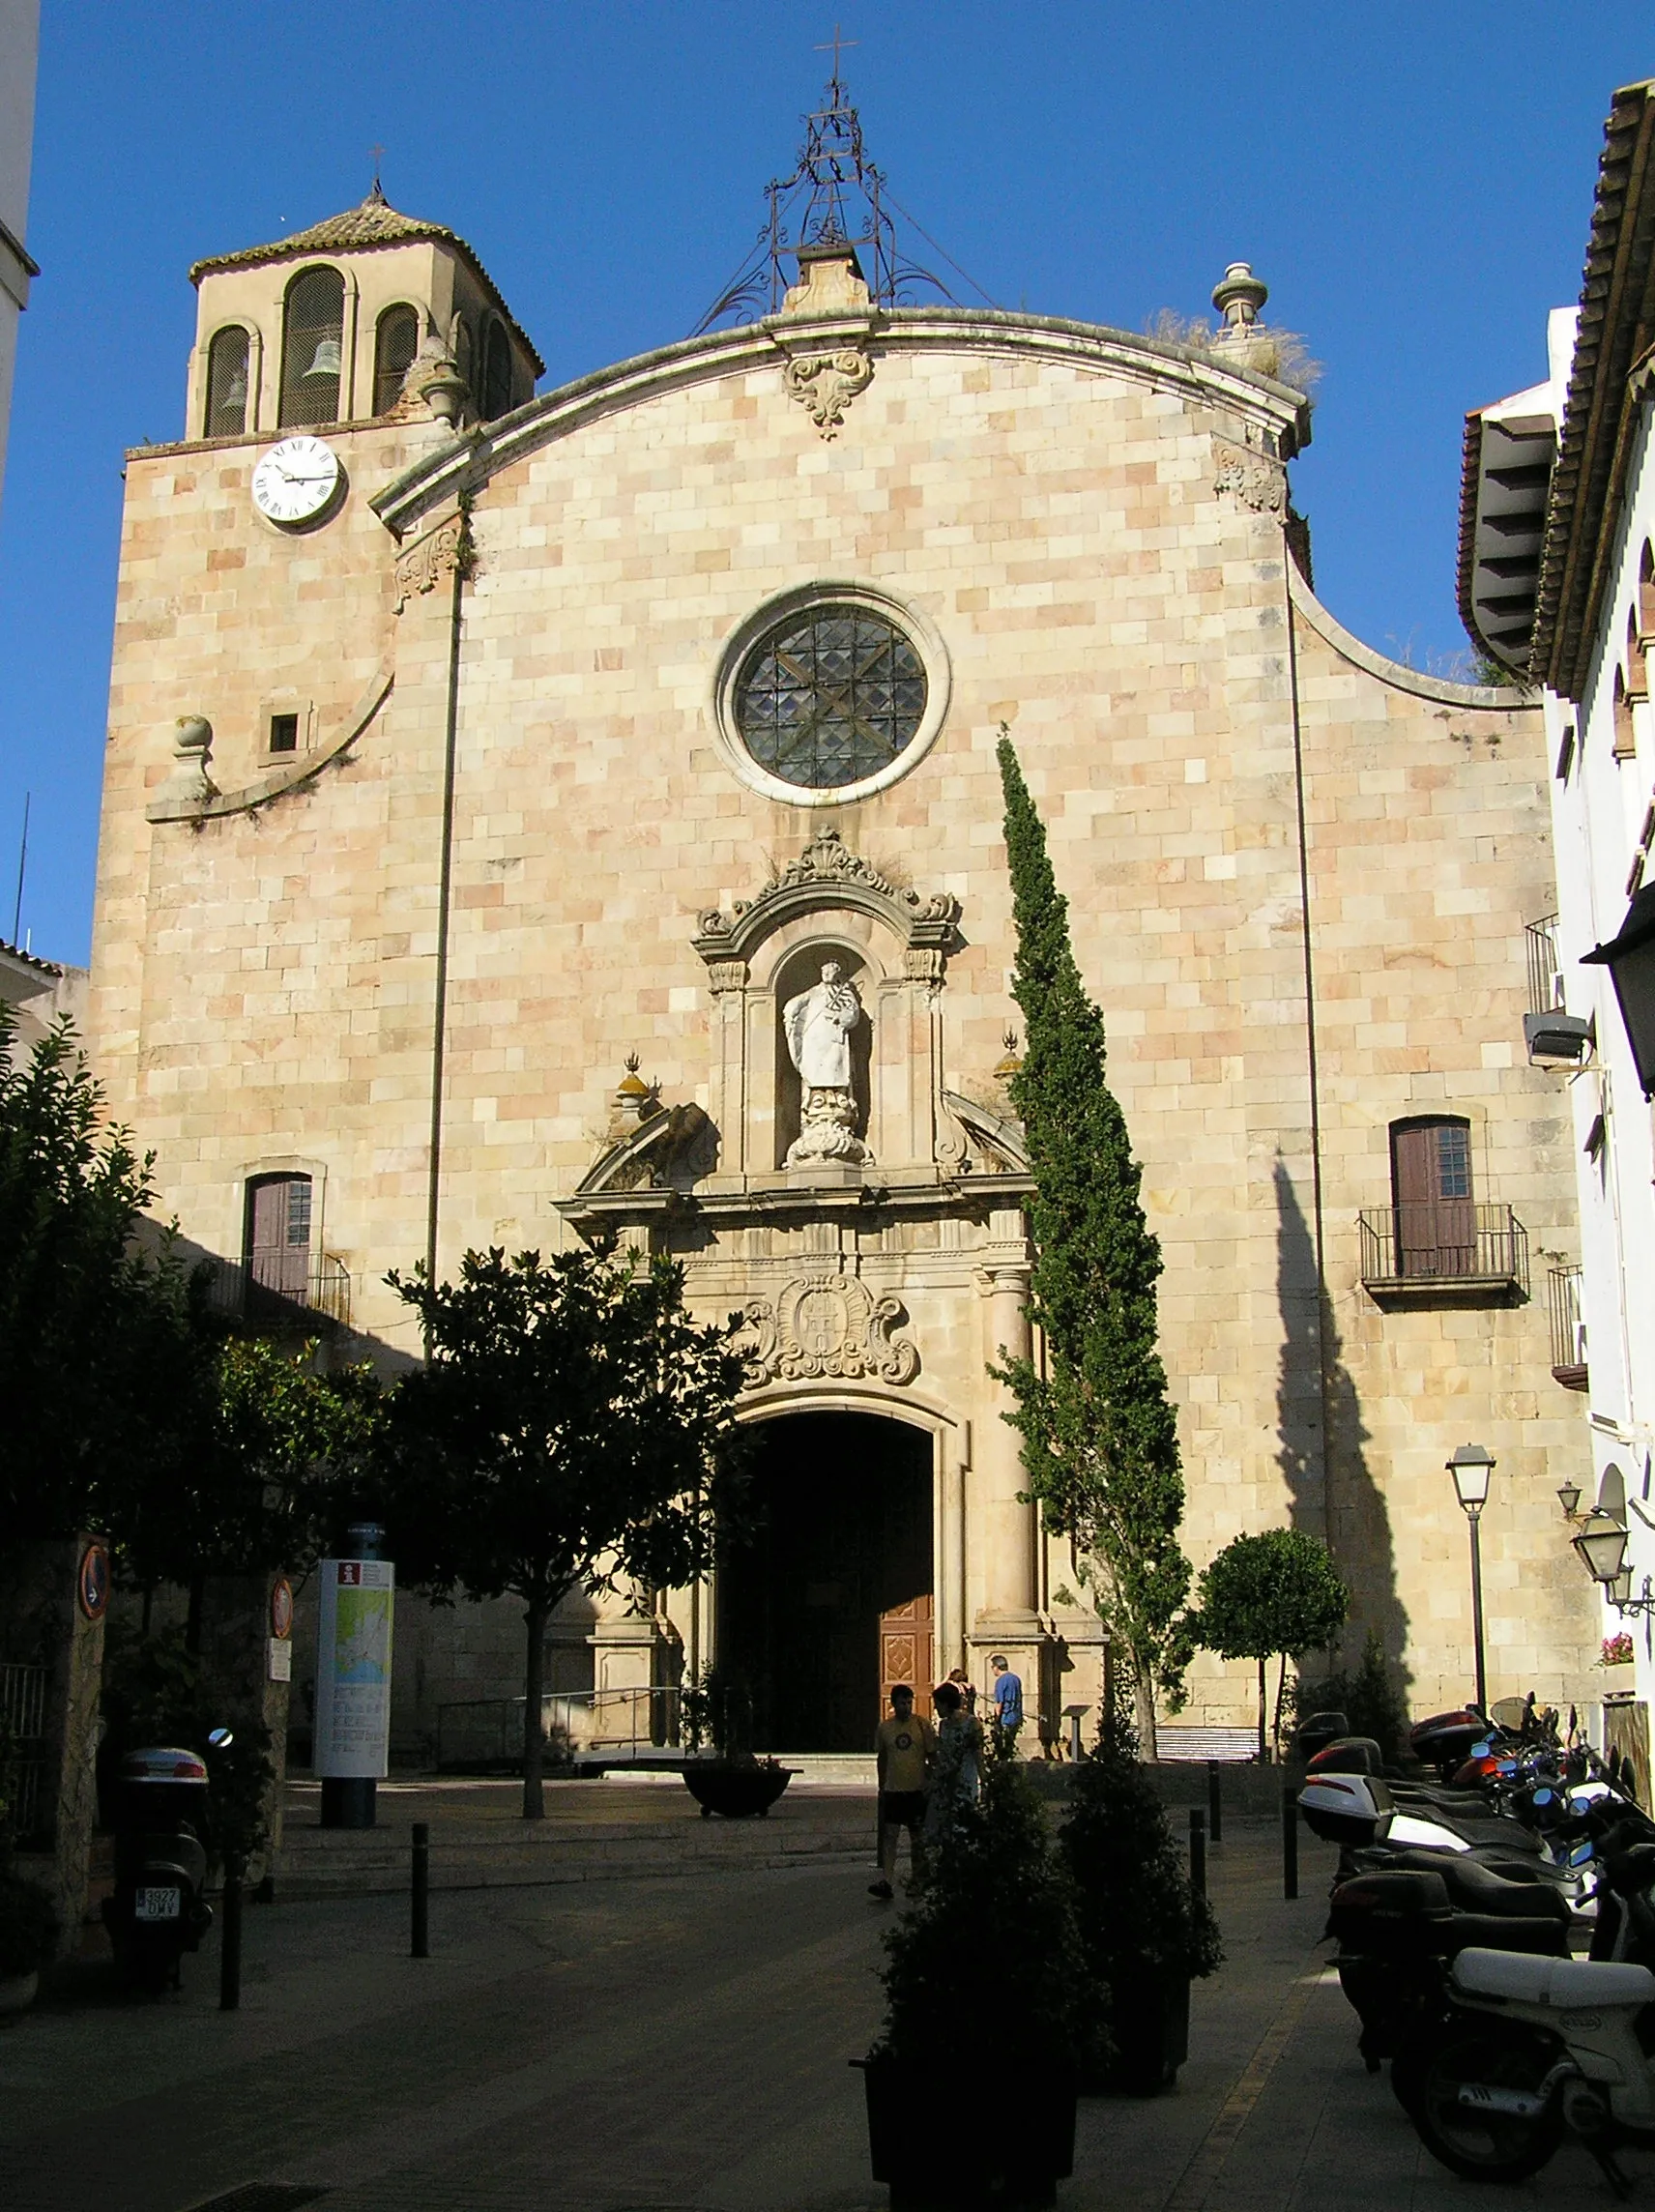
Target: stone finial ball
(193,733)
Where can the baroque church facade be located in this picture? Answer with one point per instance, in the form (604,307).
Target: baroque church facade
(532,819)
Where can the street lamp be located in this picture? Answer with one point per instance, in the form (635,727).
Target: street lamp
(1629,958)
(1602,1545)
(1471,1467)
(1569,1499)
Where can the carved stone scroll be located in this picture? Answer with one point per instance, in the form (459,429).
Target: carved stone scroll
(424,564)
(1256,482)
(826,383)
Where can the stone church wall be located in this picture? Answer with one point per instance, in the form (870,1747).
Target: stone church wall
(1096,536)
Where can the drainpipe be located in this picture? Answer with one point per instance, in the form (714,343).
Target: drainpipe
(440,996)
(1311,1063)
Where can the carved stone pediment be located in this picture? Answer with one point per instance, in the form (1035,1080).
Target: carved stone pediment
(673,1149)
(975,1140)
(827,873)
(825,1325)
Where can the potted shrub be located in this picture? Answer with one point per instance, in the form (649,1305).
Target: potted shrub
(28,1938)
(984,1964)
(730,1780)
(1145,1932)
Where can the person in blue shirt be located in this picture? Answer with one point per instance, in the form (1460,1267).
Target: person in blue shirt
(1008,1696)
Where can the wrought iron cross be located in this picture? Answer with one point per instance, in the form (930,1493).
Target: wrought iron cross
(837,43)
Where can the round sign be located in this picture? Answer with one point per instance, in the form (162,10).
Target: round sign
(282,1608)
(94,1582)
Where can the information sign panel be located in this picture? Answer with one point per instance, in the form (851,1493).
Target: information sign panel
(353,1668)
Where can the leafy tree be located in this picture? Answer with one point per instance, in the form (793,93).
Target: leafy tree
(104,1353)
(1100,1443)
(1275,1593)
(572,1427)
(281,1449)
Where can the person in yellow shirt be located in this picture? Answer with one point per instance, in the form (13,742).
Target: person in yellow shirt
(904,1750)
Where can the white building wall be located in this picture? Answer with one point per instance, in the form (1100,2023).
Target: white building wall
(1600,806)
(19,43)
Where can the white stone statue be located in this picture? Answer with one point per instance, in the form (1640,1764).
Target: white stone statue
(816,1025)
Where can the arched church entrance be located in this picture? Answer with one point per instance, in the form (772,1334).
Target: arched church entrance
(829,1599)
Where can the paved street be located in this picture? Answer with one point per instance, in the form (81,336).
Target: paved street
(639,2045)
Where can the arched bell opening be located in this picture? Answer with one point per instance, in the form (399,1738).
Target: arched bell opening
(828,1596)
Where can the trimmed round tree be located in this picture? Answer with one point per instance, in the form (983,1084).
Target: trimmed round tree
(1278,1594)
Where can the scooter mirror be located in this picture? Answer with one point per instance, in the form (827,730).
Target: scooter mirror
(222,1738)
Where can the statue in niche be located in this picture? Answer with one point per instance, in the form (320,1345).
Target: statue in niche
(818,1025)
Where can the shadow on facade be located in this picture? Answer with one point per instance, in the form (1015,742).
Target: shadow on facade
(1330,1491)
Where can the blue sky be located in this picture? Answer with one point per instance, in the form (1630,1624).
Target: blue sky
(1414,183)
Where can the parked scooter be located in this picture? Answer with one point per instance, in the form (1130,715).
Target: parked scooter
(1532,2048)
(158,1909)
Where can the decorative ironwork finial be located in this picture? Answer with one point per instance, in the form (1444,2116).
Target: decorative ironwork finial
(835,196)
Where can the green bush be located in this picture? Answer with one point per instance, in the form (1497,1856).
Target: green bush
(988,1955)
(28,1926)
(1141,1923)
(1367,1696)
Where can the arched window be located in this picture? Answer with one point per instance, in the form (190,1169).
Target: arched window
(227,358)
(395,344)
(1625,736)
(312,349)
(278,1234)
(496,372)
(1432,1196)
(1636,666)
(1647,591)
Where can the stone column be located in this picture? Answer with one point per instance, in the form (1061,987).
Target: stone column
(1001,1536)
(1003,1539)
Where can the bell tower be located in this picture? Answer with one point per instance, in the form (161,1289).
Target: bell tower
(361,315)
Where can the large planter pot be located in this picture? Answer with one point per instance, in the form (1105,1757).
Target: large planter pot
(17,1993)
(929,2166)
(1149,2024)
(738,1792)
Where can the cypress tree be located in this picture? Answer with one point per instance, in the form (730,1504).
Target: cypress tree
(1100,1443)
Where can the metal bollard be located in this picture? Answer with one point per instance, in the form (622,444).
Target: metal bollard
(230,1944)
(1198,1850)
(420,1895)
(1215,1802)
(1290,1843)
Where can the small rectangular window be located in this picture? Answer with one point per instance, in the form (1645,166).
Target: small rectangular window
(1453,1162)
(284,733)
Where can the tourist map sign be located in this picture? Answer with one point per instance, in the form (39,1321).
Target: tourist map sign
(353,1668)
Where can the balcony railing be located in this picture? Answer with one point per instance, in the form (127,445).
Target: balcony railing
(1544,975)
(1451,1245)
(1568,1327)
(23,1772)
(283,1290)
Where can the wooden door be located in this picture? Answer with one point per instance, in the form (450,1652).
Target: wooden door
(278,1235)
(1436,1216)
(905,1650)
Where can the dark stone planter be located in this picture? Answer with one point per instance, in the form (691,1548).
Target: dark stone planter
(1149,2024)
(928,2168)
(738,1792)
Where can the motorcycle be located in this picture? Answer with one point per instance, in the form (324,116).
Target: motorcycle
(158,1909)
(1530,2048)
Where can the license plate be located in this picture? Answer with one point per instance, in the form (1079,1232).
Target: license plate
(157,1905)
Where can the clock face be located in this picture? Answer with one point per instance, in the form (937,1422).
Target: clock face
(296,480)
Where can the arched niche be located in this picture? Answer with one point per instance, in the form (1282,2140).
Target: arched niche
(891,942)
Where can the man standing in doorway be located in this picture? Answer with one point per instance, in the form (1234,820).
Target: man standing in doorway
(1008,1698)
(904,1750)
